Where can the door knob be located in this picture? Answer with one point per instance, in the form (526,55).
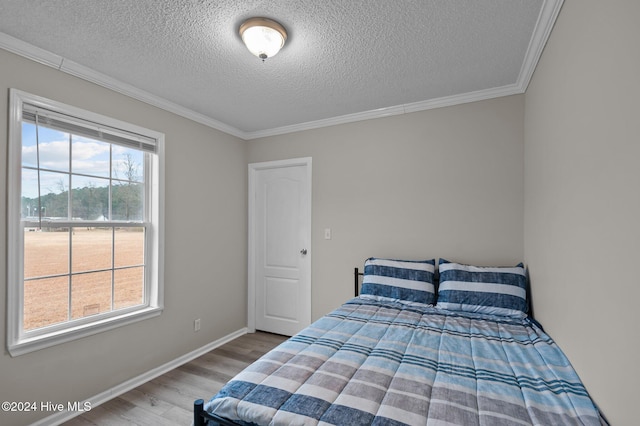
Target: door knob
(303,251)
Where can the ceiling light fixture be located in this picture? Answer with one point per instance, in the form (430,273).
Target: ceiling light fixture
(263,37)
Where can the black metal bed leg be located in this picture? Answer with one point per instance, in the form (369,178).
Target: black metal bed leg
(356,273)
(356,281)
(198,408)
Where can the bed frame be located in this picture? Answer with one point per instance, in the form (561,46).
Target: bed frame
(200,416)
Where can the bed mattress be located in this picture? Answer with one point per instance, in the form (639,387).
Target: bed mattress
(377,361)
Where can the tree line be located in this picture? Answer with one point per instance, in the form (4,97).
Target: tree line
(89,203)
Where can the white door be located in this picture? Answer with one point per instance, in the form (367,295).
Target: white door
(280,246)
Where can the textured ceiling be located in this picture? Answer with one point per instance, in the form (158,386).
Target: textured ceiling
(344,60)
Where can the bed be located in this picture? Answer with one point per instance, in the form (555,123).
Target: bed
(422,344)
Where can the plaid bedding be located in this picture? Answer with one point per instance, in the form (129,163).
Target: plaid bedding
(375,361)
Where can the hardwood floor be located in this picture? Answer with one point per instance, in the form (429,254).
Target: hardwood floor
(168,399)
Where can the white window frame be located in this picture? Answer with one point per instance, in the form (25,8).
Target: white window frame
(20,341)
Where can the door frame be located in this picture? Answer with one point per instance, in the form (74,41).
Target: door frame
(251,282)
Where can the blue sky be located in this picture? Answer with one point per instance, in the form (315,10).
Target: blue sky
(88,157)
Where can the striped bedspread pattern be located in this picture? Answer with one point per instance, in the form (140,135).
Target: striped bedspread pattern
(379,362)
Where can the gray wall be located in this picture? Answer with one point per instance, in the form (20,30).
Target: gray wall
(439,183)
(205,251)
(582,204)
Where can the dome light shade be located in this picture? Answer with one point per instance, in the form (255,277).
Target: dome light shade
(263,37)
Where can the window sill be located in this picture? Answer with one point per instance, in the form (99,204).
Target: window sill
(27,344)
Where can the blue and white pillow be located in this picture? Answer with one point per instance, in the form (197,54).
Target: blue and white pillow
(410,280)
(496,291)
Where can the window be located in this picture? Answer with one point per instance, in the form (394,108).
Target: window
(84,223)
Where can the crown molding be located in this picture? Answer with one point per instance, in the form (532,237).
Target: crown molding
(391,111)
(546,19)
(92,76)
(60,63)
(29,51)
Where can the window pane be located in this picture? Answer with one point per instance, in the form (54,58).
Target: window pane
(29,199)
(46,252)
(128,287)
(29,157)
(129,247)
(90,294)
(54,194)
(128,164)
(127,201)
(90,157)
(90,198)
(91,249)
(53,146)
(46,302)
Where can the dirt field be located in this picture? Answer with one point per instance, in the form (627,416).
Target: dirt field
(46,300)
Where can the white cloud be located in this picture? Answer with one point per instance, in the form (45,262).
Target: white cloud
(53,155)
(86,149)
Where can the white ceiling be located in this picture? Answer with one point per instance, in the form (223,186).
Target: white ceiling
(344,60)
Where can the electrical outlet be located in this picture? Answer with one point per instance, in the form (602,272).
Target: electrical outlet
(196,325)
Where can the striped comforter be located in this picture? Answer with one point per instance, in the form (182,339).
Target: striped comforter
(381,362)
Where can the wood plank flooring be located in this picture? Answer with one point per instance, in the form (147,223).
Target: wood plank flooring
(168,399)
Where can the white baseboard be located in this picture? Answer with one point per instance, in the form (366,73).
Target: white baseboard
(133,383)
